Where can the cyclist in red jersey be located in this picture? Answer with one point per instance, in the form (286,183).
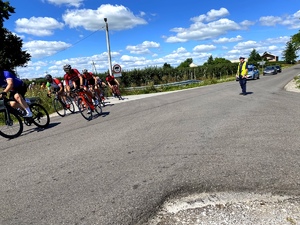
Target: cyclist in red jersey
(89,84)
(74,76)
(113,85)
(55,85)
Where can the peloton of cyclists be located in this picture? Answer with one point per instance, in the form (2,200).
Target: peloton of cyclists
(78,81)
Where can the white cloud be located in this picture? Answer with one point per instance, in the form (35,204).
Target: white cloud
(214,14)
(39,49)
(246,44)
(272,48)
(118,18)
(281,40)
(270,20)
(142,48)
(38,26)
(211,15)
(247,23)
(202,31)
(203,48)
(75,3)
(226,40)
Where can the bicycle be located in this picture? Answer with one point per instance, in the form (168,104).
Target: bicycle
(11,125)
(116,91)
(98,96)
(86,106)
(61,105)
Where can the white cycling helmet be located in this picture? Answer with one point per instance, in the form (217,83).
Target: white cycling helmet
(67,67)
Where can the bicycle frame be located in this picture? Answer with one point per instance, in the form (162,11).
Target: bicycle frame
(86,99)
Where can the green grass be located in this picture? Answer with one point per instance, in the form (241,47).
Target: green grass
(152,89)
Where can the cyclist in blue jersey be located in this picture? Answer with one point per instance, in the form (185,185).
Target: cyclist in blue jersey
(16,89)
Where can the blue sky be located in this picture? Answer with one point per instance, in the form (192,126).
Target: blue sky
(146,33)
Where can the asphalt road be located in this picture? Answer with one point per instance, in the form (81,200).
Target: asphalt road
(120,167)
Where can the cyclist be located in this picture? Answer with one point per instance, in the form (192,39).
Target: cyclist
(89,84)
(113,85)
(74,76)
(55,85)
(17,88)
(100,85)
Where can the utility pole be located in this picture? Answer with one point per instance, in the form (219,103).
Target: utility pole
(108,47)
(94,67)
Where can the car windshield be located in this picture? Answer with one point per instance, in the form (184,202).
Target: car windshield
(269,68)
(250,69)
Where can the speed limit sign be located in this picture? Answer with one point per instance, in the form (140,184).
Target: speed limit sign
(117,68)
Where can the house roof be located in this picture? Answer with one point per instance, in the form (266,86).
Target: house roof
(193,65)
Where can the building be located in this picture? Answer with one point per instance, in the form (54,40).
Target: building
(269,57)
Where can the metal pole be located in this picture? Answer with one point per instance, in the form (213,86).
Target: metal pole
(94,67)
(108,47)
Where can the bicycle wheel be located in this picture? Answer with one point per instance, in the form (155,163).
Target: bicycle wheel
(84,109)
(98,109)
(58,107)
(70,104)
(74,97)
(40,116)
(10,128)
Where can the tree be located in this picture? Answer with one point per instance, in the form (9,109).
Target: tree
(212,61)
(186,63)
(289,54)
(167,66)
(5,11)
(254,56)
(11,54)
(220,60)
(296,40)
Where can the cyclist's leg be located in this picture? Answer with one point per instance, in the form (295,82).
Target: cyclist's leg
(117,90)
(19,96)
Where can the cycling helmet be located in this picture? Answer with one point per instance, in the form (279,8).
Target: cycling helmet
(67,67)
(48,77)
(84,71)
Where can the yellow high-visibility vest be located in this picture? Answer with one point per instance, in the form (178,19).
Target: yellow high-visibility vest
(244,69)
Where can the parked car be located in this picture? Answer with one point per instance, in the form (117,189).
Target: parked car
(253,73)
(278,68)
(270,70)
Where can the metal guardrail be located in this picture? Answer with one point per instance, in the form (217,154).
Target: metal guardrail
(180,83)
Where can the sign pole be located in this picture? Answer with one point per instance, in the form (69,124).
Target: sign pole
(108,47)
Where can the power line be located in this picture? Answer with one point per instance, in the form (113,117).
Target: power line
(72,44)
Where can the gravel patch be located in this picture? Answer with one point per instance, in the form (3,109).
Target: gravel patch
(229,208)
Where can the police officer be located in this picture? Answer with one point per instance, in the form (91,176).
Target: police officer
(242,74)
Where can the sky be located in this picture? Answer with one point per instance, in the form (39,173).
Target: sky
(147,33)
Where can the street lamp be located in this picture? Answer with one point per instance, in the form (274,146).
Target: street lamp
(108,47)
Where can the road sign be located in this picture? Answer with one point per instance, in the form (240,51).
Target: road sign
(117,68)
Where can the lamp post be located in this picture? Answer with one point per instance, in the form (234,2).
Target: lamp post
(108,47)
